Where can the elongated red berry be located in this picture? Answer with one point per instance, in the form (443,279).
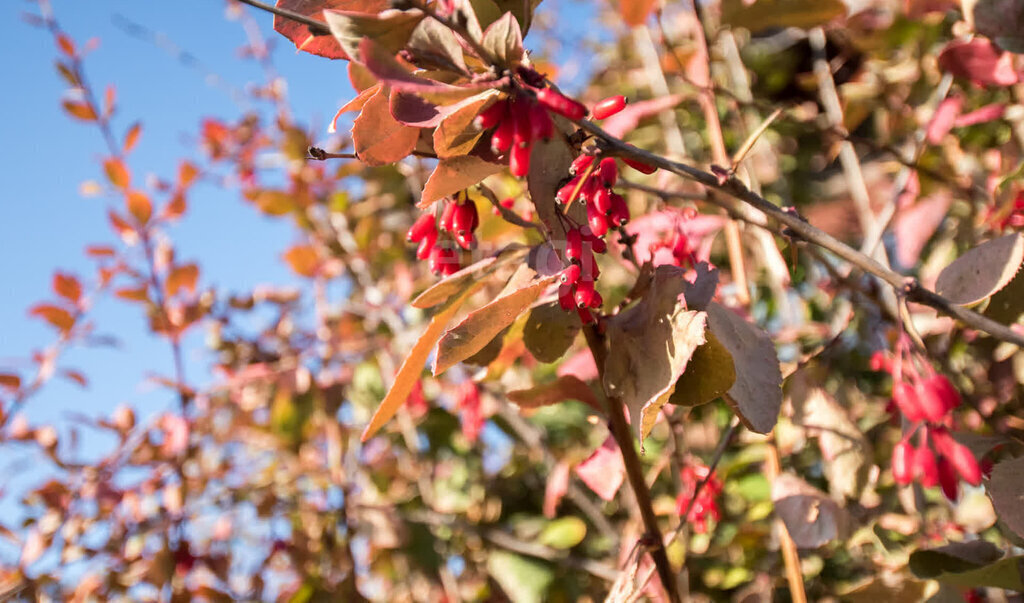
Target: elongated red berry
(573,244)
(903,463)
(942,387)
(465,218)
(493,115)
(466,240)
(596,301)
(419,229)
(579,164)
(570,275)
(426,245)
(501,140)
(608,171)
(931,405)
(960,457)
(597,244)
(947,479)
(444,260)
(522,129)
(596,220)
(584,294)
(448,216)
(609,106)
(640,166)
(905,397)
(926,467)
(603,200)
(519,161)
(618,215)
(566,299)
(561,104)
(564,194)
(540,121)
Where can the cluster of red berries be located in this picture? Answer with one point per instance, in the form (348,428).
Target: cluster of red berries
(518,121)
(927,399)
(705,506)
(591,184)
(459,218)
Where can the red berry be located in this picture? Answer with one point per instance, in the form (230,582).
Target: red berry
(944,390)
(493,115)
(419,229)
(584,294)
(580,164)
(565,297)
(903,463)
(465,218)
(960,457)
(905,397)
(564,194)
(501,140)
(519,162)
(570,275)
(597,221)
(609,106)
(597,244)
(603,200)
(947,479)
(926,467)
(426,245)
(608,171)
(561,104)
(618,215)
(573,244)
(522,129)
(596,301)
(542,126)
(639,166)
(448,216)
(466,240)
(930,403)
(585,315)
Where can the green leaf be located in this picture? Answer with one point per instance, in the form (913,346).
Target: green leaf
(523,580)
(969,564)
(764,14)
(563,533)
(550,331)
(708,376)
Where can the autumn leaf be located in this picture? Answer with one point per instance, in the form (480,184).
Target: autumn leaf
(982,271)
(453,284)
(131,137)
(604,470)
(139,206)
(55,315)
(323,45)
(303,259)
(79,110)
(550,331)
(764,14)
(117,173)
(455,174)
(390,29)
(10,381)
(67,286)
(378,138)
(650,346)
(979,61)
(635,12)
(503,39)
(560,390)
(409,373)
(182,277)
(356,104)
(140,294)
(456,134)
(482,325)
(708,376)
(433,41)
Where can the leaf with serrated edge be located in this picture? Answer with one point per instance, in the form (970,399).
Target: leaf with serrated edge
(1006,489)
(708,376)
(981,271)
(650,345)
(377,137)
(409,373)
(455,174)
(757,394)
(454,283)
(480,327)
(562,389)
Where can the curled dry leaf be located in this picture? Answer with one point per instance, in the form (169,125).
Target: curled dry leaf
(650,346)
(982,271)
(756,396)
(481,326)
(1006,489)
(811,517)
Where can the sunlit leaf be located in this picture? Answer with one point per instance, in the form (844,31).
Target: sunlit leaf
(390,29)
(182,277)
(131,137)
(563,533)
(504,40)
(982,271)
(139,206)
(117,173)
(455,174)
(82,111)
(378,138)
(708,376)
(562,389)
(604,470)
(455,283)
(524,580)
(979,61)
(55,315)
(763,14)
(10,381)
(303,259)
(635,12)
(324,45)
(67,286)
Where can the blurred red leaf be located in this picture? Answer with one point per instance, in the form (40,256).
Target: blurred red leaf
(580,365)
(979,61)
(557,486)
(75,376)
(380,139)
(67,286)
(942,121)
(981,115)
(117,173)
(187,173)
(133,293)
(182,277)
(10,381)
(66,45)
(915,225)
(325,46)
(98,251)
(131,137)
(175,207)
(55,315)
(80,110)
(635,12)
(604,471)
(628,119)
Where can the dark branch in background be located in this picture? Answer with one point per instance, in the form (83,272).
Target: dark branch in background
(317,28)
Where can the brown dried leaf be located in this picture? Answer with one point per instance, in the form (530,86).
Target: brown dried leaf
(409,373)
(812,518)
(764,14)
(982,271)
(550,331)
(1006,489)
(708,376)
(455,174)
(378,138)
(560,390)
(757,394)
(480,327)
(651,344)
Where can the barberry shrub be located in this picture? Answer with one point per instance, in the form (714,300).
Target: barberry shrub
(752,333)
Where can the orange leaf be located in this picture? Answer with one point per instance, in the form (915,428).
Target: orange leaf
(66,45)
(456,134)
(453,175)
(108,101)
(412,366)
(10,381)
(635,12)
(566,387)
(55,315)
(356,104)
(303,260)
(182,277)
(76,376)
(481,326)
(139,205)
(100,251)
(67,286)
(131,137)
(274,203)
(175,207)
(187,172)
(80,110)
(379,139)
(117,173)
(133,293)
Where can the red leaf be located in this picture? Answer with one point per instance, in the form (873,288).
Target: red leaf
(66,45)
(182,277)
(325,46)
(131,137)
(635,12)
(604,471)
(915,225)
(140,294)
(942,121)
(979,116)
(98,251)
(76,376)
(67,286)
(356,104)
(10,381)
(117,173)
(378,138)
(80,110)
(628,119)
(979,61)
(580,365)
(557,486)
(55,315)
